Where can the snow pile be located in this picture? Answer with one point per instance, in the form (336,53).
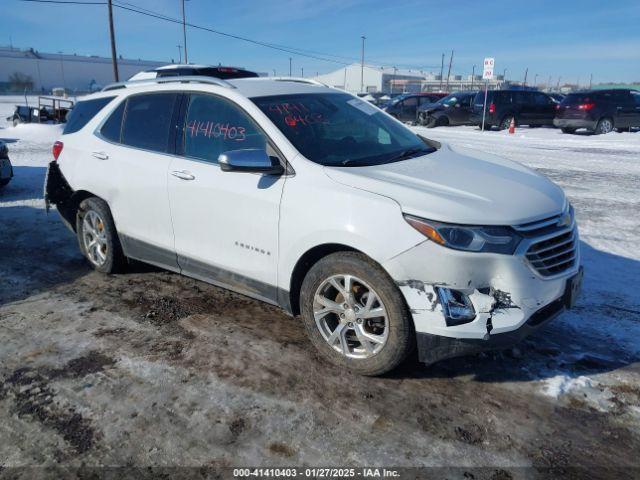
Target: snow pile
(563,384)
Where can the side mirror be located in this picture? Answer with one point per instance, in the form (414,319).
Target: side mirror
(253,160)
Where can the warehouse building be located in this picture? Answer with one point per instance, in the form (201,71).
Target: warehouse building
(38,71)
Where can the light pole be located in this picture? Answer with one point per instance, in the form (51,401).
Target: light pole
(549,84)
(112,36)
(535,80)
(302,72)
(179,53)
(290,60)
(394,78)
(274,72)
(473,75)
(184,33)
(64,81)
(362,65)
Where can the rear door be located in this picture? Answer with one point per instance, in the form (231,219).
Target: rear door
(136,149)
(545,109)
(225,223)
(525,108)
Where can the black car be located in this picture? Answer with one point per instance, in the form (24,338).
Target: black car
(6,170)
(405,106)
(599,111)
(453,109)
(526,107)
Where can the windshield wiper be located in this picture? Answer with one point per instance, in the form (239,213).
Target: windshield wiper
(410,153)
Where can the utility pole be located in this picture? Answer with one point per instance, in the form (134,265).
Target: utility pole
(558,85)
(184,33)
(64,81)
(179,53)
(590,81)
(362,65)
(114,58)
(549,84)
(473,76)
(290,60)
(302,72)
(526,72)
(394,78)
(441,71)
(449,72)
(274,72)
(535,80)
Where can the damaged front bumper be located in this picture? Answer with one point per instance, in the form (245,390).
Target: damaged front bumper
(509,298)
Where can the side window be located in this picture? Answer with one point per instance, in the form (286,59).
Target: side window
(83,112)
(214,125)
(147,121)
(112,128)
(636,98)
(542,99)
(411,102)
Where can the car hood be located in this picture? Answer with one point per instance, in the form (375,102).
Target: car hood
(459,186)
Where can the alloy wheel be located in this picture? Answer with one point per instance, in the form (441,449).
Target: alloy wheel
(94,237)
(350,316)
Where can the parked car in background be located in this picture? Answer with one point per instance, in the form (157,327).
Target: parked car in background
(174,70)
(525,107)
(6,170)
(454,109)
(309,198)
(599,111)
(404,107)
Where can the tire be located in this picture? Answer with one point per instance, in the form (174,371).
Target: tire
(94,222)
(568,130)
(623,130)
(432,122)
(605,125)
(394,333)
(442,121)
(506,122)
(4,182)
(16,122)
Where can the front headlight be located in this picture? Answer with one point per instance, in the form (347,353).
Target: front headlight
(492,239)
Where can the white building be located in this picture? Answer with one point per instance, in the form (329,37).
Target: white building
(73,72)
(375,79)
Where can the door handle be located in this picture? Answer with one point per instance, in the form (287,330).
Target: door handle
(100,155)
(183,175)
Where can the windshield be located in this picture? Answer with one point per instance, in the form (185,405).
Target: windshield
(336,129)
(450,99)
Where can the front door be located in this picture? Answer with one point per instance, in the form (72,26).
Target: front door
(225,223)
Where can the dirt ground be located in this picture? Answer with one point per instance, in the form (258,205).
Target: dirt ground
(149,368)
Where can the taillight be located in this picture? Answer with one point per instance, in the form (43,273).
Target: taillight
(558,107)
(57,149)
(492,108)
(586,106)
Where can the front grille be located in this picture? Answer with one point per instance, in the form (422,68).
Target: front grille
(556,251)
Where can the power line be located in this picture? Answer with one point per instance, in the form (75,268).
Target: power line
(150,13)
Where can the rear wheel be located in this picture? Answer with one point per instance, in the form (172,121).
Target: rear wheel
(97,236)
(568,130)
(506,122)
(605,125)
(355,315)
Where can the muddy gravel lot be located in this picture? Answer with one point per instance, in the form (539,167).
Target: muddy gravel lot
(149,368)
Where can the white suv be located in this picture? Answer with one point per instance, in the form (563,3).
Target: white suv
(309,198)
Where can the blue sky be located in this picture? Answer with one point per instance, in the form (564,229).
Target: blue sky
(568,38)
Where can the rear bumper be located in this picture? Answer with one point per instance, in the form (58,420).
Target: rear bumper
(574,123)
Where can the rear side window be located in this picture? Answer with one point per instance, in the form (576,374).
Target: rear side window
(83,112)
(542,99)
(636,97)
(112,128)
(147,121)
(214,126)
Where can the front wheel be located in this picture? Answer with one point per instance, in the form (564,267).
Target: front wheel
(97,236)
(355,315)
